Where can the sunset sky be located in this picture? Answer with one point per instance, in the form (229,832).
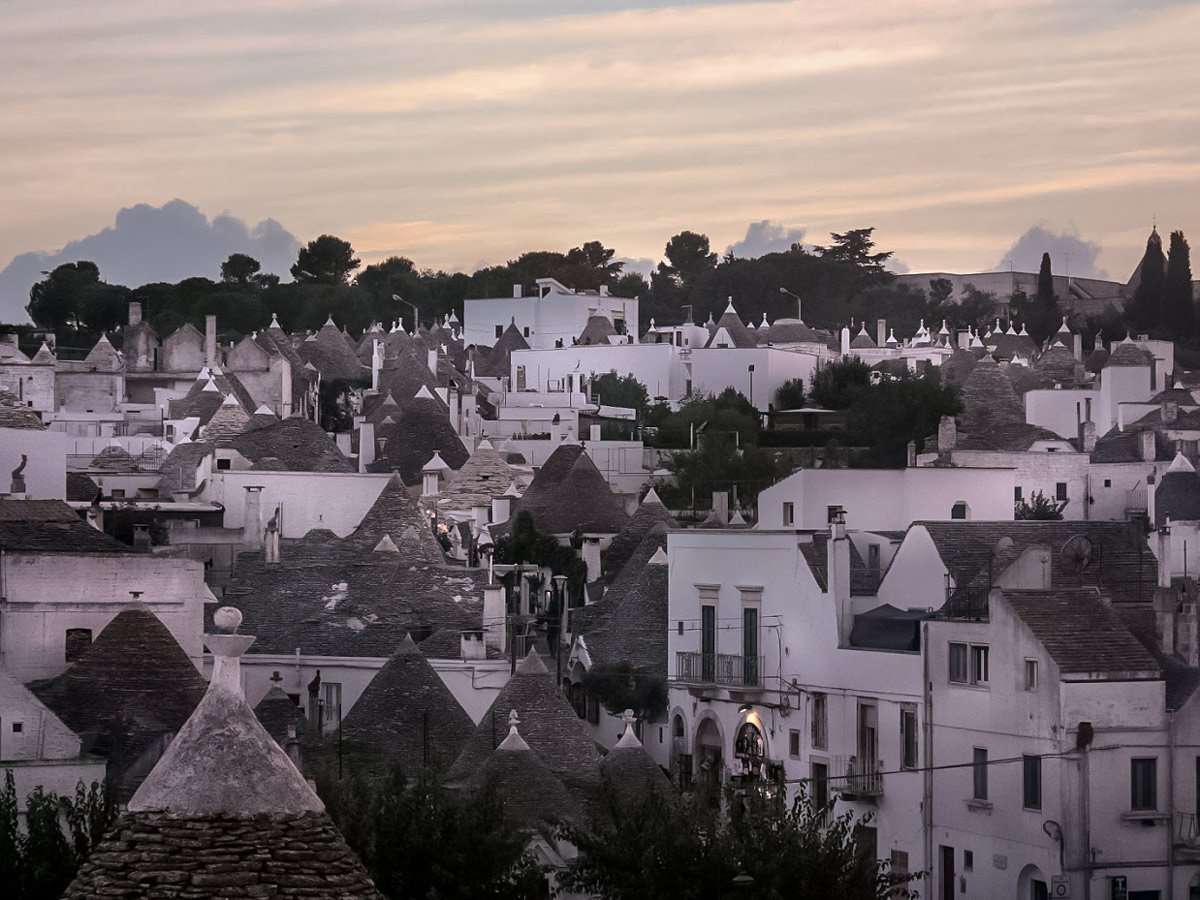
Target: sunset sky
(462,133)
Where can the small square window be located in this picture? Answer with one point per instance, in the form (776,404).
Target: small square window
(794,744)
(223,464)
(958,510)
(1108,482)
(1031,674)
(18,727)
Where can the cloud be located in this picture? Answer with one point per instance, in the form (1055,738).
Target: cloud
(765,237)
(1069,253)
(643,265)
(147,244)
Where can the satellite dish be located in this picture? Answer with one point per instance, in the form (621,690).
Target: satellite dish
(1076,553)
(1005,543)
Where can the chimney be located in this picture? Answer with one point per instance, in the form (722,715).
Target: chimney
(517,292)
(227,647)
(1146,445)
(431,357)
(252,520)
(594,433)
(429,481)
(479,513)
(845,341)
(1077,347)
(604,290)
(17,488)
(1151,510)
(911,449)
(591,557)
(210,340)
(501,509)
(314,703)
(376,362)
(1087,437)
(720,504)
(135,313)
(471,644)
(837,584)
(454,402)
(291,746)
(271,539)
(964,340)
(1120,417)
(881,333)
(1170,411)
(947,435)
(366,445)
(494,617)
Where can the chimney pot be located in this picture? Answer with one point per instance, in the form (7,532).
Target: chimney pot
(135,313)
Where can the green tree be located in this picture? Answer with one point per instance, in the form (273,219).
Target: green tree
(419,840)
(837,384)
(620,390)
(54,301)
(1045,283)
(1179,308)
(1038,506)
(855,248)
(325,260)
(619,686)
(682,849)
(631,284)
(1145,307)
(38,863)
(887,415)
(1042,315)
(240,268)
(790,394)
(688,258)
(940,290)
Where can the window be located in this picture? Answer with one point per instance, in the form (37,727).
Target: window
(1060,491)
(223,464)
(958,663)
(750,645)
(1108,482)
(979,665)
(525,331)
(708,643)
(499,330)
(1017,494)
(789,515)
(1031,674)
(908,736)
(868,735)
(958,510)
(78,640)
(820,785)
(119,493)
(794,744)
(1143,784)
(820,722)
(979,773)
(593,710)
(1032,766)
(968,860)
(969,664)
(18,727)
(332,697)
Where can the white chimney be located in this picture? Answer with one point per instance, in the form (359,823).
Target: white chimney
(495,634)
(838,576)
(366,445)
(720,504)
(432,359)
(210,340)
(501,509)
(881,332)
(517,292)
(604,290)
(591,557)
(252,536)
(594,433)
(845,341)
(271,551)
(376,362)
(135,313)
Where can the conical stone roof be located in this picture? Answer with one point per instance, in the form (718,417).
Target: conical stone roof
(583,501)
(396,515)
(650,512)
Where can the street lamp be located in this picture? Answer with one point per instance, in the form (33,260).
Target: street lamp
(795,297)
(413,306)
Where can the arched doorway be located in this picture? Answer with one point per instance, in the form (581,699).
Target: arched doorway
(681,759)
(709,759)
(1032,884)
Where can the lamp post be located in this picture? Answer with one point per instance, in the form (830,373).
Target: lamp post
(412,306)
(795,297)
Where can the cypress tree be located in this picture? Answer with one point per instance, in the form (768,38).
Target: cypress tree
(1146,308)
(1179,313)
(1045,288)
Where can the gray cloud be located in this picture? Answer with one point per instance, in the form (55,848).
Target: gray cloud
(642,265)
(1069,253)
(147,244)
(765,237)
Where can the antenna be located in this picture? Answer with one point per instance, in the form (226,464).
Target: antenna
(1076,555)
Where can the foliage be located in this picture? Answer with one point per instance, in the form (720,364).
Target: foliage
(40,862)
(1041,315)
(717,465)
(240,268)
(836,385)
(73,298)
(727,413)
(790,394)
(1178,306)
(887,415)
(688,257)
(419,840)
(1145,307)
(620,390)
(325,260)
(525,544)
(681,849)
(1039,506)
(618,686)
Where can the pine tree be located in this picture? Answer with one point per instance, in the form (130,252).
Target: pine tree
(1042,315)
(1179,314)
(1146,306)
(1045,288)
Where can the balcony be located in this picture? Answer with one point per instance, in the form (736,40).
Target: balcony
(725,669)
(855,780)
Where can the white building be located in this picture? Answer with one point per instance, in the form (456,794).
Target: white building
(556,314)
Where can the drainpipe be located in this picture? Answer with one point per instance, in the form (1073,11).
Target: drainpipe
(927,797)
(1085,801)
(1170,803)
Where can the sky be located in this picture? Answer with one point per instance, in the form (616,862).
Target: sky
(464,133)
